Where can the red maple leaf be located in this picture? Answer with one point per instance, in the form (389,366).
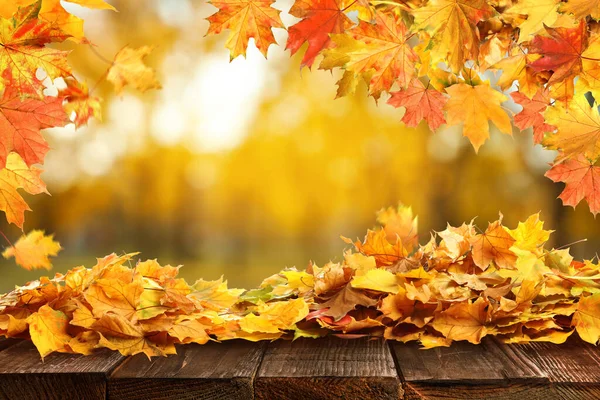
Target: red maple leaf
(320,19)
(561,51)
(582,181)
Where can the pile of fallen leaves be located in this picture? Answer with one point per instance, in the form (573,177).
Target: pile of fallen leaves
(462,285)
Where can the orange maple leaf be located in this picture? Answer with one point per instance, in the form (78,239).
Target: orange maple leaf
(582,179)
(494,245)
(421,103)
(533,113)
(245,19)
(79,102)
(21,121)
(17,175)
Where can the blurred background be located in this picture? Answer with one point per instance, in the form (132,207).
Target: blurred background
(244,168)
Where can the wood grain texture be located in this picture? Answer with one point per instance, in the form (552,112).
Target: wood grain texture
(210,371)
(24,376)
(6,343)
(328,368)
(573,367)
(467,371)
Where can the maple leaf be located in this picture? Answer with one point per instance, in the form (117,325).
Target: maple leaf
(48,330)
(586,319)
(9,7)
(79,102)
(582,8)
(421,103)
(214,294)
(494,245)
(538,12)
(32,251)
(97,4)
(379,280)
(475,106)
(128,68)
(17,175)
(23,51)
(275,317)
(378,52)
(463,321)
(532,114)
(578,129)
(376,244)
(530,235)
(399,223)
(320,19)
(129,346)
(582,181)
(245,19)
(453,28)
(344,301)
(119,296)
(561,52)
(515,68)
(21,121)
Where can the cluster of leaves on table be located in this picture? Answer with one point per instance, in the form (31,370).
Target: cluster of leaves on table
(463,284)
(429,55)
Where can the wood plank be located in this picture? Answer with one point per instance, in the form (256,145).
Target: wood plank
(24,376)
(572,367)
(5,343)
(210,371)
(327,368)
(467,371)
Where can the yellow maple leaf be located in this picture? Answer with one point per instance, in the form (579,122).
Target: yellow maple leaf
(453,28)
(97,4)
(582,8)
(214,294)
(514,68)
(586,319)
(9,7)
(128,68)
(538,12)
(379,280)
(245,19)
(530,235)
(31,251)
(475,107)
(578,128)
(48,330)
(275,317)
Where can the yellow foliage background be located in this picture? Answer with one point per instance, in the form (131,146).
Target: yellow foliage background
(244,168)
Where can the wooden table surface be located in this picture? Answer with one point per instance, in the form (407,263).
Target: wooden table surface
(309,369)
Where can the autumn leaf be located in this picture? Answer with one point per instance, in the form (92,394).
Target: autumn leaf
(578,129)
(538,12)
(532,115)
(17,175)
(23,51)
(494,246)
(561,52)
(582,179)
(530,235)
(463,321)
(128,68)
(515,68)
(379,280)
(453,28)
(319,19)
(475,107)
(32,251)
(582,8)
(21,121)
(586,319)
(377,52)
(245,19)
(9,7)
(98,4)
(421,103)
(376,244)
(48,330)
(344,301)
(78,102)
